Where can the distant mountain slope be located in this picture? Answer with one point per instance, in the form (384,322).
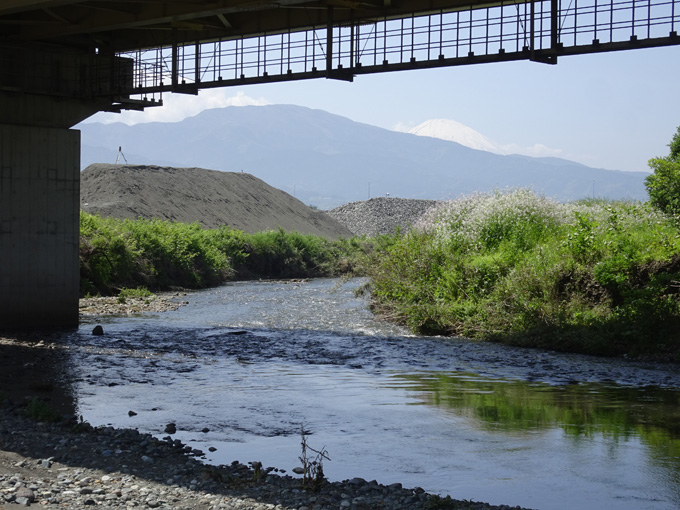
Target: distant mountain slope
(327,160)
(211,198)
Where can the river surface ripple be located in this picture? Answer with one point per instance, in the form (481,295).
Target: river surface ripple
(254,362)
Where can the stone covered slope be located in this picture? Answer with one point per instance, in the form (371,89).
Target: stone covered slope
(381,216)
(209,197)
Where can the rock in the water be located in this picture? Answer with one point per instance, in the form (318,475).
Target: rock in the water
(98,330)
(170,428)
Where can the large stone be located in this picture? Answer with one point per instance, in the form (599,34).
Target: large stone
(24,496)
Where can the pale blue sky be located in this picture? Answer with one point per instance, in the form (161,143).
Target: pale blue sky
(611,110)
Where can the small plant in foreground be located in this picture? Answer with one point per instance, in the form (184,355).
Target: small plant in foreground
(81,425)
(437,502)
(312,477)
(257,470)
(40,410)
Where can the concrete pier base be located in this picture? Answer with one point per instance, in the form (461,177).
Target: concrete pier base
(39,226)
(44,91)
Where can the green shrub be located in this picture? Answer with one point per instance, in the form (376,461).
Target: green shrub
(593,276)
(663,185)
(39,410)
(154,254)
(139,292)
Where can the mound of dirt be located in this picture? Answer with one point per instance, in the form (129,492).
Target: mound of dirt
(211,198)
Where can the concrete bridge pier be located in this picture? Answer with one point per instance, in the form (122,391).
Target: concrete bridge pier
(39,210)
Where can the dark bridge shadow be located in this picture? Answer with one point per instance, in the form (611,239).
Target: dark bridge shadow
(32,367)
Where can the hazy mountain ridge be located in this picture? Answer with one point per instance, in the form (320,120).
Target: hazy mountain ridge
(328,160)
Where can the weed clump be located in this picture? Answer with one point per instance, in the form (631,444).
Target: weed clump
(39,410)
(312,464)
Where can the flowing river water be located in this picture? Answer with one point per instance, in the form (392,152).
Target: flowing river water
(254,362)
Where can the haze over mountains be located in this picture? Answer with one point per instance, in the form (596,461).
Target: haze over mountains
(327,160)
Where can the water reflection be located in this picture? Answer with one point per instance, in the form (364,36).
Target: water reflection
(650,415)
(579,409)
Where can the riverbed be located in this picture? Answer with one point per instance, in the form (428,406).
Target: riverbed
(243,368)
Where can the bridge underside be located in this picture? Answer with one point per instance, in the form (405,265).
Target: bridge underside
(63,60)
(539,31)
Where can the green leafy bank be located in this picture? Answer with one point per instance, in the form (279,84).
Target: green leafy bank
(159,255)
(594,276)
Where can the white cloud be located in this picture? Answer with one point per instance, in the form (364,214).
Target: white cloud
(177,107)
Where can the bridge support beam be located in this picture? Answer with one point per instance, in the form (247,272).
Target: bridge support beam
(44,91)
(39,226)
(39,210)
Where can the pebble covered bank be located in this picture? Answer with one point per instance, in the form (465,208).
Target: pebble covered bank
(72,465)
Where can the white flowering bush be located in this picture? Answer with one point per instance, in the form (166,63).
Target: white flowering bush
(520,217)
(485,220)
(516,264)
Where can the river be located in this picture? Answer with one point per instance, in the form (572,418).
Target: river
(254,362)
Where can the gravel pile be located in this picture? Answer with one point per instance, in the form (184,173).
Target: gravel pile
(72,465)
(211,198)
(380,216)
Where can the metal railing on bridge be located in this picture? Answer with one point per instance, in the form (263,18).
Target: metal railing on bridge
(541,31)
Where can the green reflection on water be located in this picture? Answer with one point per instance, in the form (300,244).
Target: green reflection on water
(581,410)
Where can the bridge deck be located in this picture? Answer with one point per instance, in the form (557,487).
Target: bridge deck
(540,31)
(140,50)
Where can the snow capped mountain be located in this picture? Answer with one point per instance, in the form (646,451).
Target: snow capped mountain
(453,131)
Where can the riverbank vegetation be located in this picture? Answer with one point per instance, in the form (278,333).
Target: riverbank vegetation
(593,276)
(159,255)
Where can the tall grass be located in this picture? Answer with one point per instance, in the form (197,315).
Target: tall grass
(158,254)
(592,276)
